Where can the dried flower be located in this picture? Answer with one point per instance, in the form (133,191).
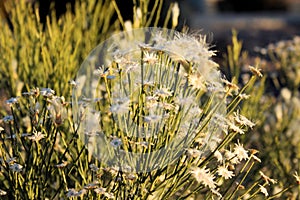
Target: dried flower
(266,178)
(255,71)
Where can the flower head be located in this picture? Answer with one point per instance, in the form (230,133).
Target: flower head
(16,167)
(203,176)
(240,152)
(224,172)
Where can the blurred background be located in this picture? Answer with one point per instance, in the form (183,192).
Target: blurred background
(258,22)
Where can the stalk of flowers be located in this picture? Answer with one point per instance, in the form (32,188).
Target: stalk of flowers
(34,142)
(163,94)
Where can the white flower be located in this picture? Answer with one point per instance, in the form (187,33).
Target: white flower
(120,108)
(8,118)
(116,142)
(219,156)
(255,71)
(231,157)
(36,136)
(163,93)
(266,178)
(16,167)
(224,172)
(2,192)
(240,152)
(93,167)
(297,177)
(12,101)
(150,58)
(91,185)
(240,119)
(235,128)
(263,190)
(203,176)
(62,165)
(100,190)
(197,81)
(47,92)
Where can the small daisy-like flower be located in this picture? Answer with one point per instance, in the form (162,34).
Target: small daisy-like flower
(263,190)
(231,156)
(244,96)
(47,92)
(230,86)
(266,178)
(204,177)
(197,81)
(219,156)
(2,192)
(163,93)
(71,192)
(16,167)
(12,101)
(94,168)
(224,172)
(8,118)
(73,83)
(150,58)
(62,165)
(235,128)
(100,190)
(297,177)
(36,136)
(193,153)
(240,152)
(116,142)
(240,119)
